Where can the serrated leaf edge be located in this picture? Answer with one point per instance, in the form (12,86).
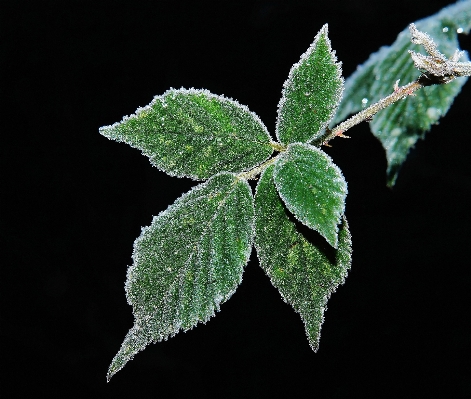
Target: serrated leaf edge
(286,202)
(180,202)
(102,130)
(332,289)
(138,322)
(323,31)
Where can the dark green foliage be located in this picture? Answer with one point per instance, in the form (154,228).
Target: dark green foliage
(188,262)
(313,188)
(311,94)
(399,126)
(305,269)
(195,133)
(191,258)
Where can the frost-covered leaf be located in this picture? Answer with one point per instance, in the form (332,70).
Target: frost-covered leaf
(188,262)
(195,133)
(399,126)
(312,187)
(311,93)
(303,267)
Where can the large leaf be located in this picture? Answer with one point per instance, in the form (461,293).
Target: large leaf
(303,267)
(311,94)
(399,126)
(312,187)
(195,133)
(188,262)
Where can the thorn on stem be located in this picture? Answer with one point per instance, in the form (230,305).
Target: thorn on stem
(396,85)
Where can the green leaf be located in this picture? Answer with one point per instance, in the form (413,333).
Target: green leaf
(312,187)
(188,262)
(399,126)
(304,268)
(311,94)
(196,134)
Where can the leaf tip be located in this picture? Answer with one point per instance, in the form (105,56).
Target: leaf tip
(113,369)
(324,29)
(333,240)
(102,130)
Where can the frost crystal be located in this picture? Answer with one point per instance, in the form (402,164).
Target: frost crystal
(436,64)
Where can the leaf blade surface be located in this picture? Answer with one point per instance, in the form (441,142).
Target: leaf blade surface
(188,262)
(194,133)
(312,188)
(311,94)
(300,264)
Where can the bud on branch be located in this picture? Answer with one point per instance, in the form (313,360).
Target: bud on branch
(436,67)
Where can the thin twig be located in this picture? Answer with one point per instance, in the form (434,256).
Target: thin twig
(367,113)
(436,69)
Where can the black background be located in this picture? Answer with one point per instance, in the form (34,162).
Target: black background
(72,203)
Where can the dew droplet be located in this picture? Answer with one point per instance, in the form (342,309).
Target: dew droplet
(445,29)
(396,132)
(433,113)
(307,94)
(459,30)
(364,101)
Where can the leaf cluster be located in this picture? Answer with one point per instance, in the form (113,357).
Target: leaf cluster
(191,258)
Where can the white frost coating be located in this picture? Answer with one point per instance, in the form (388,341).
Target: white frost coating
(324,31)
(270,258)
(192,90)
(107,130)
(200,258)
(180,202)
(298,211)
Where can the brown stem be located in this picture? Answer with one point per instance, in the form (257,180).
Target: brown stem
(253,173)
(366,114)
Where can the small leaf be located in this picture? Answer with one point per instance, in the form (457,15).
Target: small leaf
(399,126)
(188,262)
(312,188)
(303,267)
(196,134)
(311,94)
